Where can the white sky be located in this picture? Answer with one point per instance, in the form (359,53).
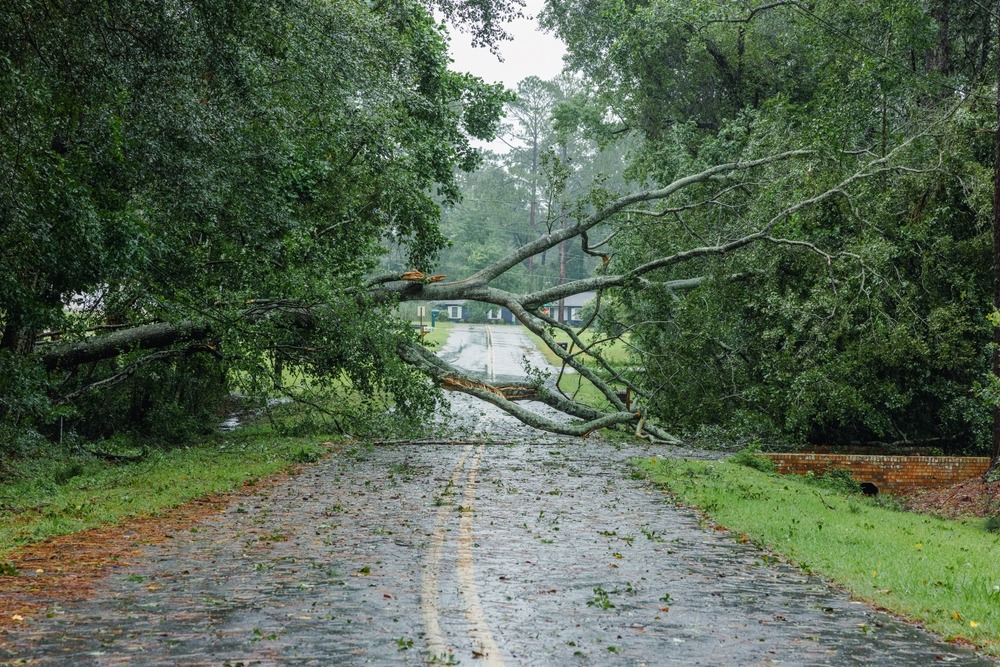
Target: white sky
(531,52)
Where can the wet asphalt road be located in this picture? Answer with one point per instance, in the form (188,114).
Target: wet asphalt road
(493,351)
(544,551)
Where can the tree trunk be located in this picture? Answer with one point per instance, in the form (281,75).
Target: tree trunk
(533,207)
(562,276)
(148,337)
(18,339)
(939,58)
(562,246)
(995,455)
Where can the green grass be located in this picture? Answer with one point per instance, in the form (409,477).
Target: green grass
(552,357)
(44,497)
(615,353)
(437,336)
(582,390)
(944,574)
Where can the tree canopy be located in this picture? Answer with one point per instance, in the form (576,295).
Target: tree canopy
(220,163)
(867,322)
(783,208)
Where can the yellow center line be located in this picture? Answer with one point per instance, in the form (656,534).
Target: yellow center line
(430,595)
(484,646)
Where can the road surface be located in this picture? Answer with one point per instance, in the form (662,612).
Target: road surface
(527,549)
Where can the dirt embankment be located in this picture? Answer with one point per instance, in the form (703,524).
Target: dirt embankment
(971,498)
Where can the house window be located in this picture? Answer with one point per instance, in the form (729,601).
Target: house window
(493,314)
(574,313)
(454,312)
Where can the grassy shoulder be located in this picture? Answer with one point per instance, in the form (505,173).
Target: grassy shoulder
(572,383)
(944,574)
(580,389)
(614,352)
(45,497)
(437,336)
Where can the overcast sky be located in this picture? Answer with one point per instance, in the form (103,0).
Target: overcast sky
(532,52)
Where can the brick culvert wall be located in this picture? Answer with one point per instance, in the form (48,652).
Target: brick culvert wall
(889,474)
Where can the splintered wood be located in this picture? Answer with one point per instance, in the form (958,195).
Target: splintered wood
(510,393)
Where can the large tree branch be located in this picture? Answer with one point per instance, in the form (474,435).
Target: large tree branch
(754,11)
(880,165)
(472,287)
(554,238)
(506,397)
(527,308)
(129,371)
(412,285)
(599,283)
(97,348)
(161,335)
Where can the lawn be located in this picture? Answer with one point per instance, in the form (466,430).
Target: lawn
(438,336)
(944,574)
(614,352)
(66,492)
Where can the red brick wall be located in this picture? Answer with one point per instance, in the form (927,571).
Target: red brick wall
(891,474)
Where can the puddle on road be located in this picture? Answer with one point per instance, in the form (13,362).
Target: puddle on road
(236,419)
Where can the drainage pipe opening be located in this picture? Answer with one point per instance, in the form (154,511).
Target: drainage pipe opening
(869,489)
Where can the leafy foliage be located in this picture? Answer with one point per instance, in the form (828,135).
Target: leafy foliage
(750,457)
(834,479)
(861,318)
(221,162)
(803,254)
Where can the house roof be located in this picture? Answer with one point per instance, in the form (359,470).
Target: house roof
(578,299)
(571,301)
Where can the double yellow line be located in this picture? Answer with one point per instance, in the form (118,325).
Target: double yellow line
(484,646)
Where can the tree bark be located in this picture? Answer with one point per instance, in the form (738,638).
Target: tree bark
(995,455)
(98,348)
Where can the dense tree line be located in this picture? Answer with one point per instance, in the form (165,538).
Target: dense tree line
(862,318)
(541,182)
(791,222)
(225,167)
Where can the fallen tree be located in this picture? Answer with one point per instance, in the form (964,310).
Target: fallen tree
(222,184)
(307,320)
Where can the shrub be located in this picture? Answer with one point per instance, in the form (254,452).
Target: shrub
(834,479)
(167,402)
(750,457)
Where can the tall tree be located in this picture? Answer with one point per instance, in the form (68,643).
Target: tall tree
(880,338)
(995,451)
(176,163)
(264,172)
(531,112)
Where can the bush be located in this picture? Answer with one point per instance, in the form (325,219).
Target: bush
(24,406)
(834,479)
(169,402)
(750,457)
(733,438)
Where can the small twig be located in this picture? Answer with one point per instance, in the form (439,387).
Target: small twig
(822,500)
